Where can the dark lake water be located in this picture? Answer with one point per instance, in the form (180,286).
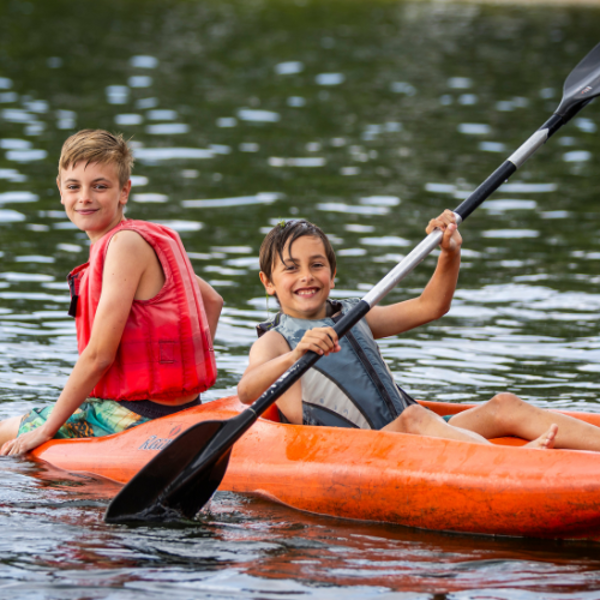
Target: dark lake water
(367,118)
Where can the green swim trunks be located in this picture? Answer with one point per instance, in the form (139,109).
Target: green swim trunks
(94,418)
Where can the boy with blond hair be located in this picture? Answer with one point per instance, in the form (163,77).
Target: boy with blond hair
(145,322)
(351,386)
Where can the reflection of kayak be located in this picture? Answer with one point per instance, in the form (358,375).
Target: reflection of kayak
(376,476)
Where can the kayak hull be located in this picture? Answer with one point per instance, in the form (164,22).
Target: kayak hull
(409,480)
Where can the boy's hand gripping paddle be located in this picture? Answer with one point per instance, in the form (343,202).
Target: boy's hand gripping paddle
(179,480)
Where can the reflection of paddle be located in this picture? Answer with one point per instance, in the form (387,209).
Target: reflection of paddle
(183,476)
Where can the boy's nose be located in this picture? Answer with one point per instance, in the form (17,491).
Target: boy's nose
(84,195)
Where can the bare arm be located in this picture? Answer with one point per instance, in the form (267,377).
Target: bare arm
(213,304)
(127,258)
(270,357)
(436,298)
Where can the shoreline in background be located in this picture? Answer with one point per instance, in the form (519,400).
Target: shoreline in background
(563,3)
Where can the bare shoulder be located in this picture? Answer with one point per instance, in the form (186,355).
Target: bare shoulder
(131,246)
(128,240)
(131,258)
(267,347)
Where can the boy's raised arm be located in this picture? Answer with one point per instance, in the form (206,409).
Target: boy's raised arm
(436,298)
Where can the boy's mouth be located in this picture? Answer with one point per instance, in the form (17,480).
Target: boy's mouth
(87,211)
(307,291)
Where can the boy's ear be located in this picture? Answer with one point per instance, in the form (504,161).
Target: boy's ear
(58,186)
(333,279)
(267,283)
(125,193)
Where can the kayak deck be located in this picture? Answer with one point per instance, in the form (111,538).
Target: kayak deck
(410,480)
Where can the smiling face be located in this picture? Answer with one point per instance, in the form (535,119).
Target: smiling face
(93,197)
(303,282)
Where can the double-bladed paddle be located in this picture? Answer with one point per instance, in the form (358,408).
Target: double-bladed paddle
(179,480)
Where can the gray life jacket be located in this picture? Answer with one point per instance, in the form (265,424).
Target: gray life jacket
(350,388)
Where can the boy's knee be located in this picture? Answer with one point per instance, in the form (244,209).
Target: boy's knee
(412,418)
(504,404)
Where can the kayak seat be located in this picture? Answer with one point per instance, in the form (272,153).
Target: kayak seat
(508,441)
(271,414)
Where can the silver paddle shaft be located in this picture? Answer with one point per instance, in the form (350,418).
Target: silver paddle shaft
(525,150)
(406,265)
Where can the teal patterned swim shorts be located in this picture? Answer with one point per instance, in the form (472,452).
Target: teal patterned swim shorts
(94,418)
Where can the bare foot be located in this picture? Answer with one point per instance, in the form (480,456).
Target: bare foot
(546,440)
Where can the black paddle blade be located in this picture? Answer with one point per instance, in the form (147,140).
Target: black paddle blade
(156,493)
(582,85)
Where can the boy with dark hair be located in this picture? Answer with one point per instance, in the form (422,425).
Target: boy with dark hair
(145,322)
(351,386)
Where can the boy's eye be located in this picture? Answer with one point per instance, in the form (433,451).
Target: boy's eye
(289,266)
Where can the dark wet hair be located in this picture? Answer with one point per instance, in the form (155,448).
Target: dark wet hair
(290,231)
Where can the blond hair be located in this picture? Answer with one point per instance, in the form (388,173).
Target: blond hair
(97,145)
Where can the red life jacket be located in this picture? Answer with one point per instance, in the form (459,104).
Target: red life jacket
(166,349)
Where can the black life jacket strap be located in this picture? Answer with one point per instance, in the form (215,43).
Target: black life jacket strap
(74,288)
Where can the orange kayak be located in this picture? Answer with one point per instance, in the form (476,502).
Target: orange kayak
(376,476)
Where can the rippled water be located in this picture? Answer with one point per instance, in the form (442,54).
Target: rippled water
(368,118)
